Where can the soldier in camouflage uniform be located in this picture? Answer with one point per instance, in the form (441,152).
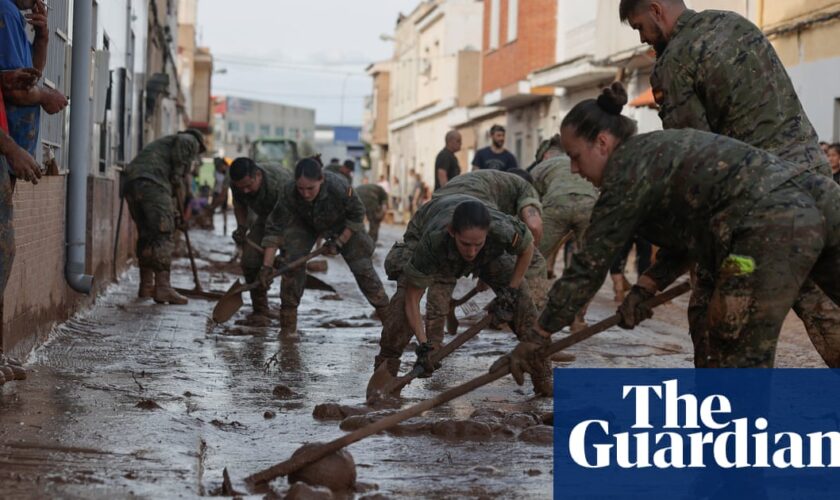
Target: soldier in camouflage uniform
(458,235)
(256,191)
(375,200)
(758,225)
(152,180)
(344,169)
(717,71)
(319,204)
(509,193)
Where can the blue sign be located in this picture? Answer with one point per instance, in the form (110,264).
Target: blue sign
(667,434)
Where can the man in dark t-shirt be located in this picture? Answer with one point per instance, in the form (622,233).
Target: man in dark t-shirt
(495,156)
(446,163)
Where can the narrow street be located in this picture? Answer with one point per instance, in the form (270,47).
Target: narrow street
(136,399)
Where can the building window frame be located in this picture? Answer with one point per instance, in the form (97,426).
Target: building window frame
(512,21)
(495,24)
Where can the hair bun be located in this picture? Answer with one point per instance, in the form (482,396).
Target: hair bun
(613,98)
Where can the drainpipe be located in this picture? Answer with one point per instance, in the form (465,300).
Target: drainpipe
(80,135)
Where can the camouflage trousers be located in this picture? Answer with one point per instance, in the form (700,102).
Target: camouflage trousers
(737,310)
(153,212)
(374,218)
(357,252)
(252,259)
(7,230)
(559,220)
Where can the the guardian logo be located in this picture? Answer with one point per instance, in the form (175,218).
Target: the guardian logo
(685,433)
(692,432)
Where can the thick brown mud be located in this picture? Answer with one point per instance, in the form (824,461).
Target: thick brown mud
(79,427)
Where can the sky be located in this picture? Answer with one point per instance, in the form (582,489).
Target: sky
(299,52)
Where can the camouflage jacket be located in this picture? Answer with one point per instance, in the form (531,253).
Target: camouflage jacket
(275,180)
(720,73)
(434,254)
(336,169)
(505,192)
(683,190)
(373,197)
(336,207)
(555,182)
(165,161)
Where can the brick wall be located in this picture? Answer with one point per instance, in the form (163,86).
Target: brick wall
(37,295)
(534,47)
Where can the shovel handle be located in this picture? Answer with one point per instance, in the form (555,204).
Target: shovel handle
(192,258)
(466,298)
(316,453)
(285,269)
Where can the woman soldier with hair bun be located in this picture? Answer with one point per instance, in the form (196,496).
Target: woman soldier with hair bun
(758,225)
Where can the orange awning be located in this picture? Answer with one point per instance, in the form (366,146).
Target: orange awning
(644,100)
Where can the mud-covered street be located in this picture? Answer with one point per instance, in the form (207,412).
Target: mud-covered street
(134,398)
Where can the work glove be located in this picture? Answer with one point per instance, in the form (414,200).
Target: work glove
(333,245)
(239,235)
(633,311)
(503,306)
(266,276)
(523,359)
(424,361)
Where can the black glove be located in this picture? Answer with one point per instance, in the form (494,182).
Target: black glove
(266,276)
(503,306)
(522,360)
(423,353)
(333,245)
(632,310)
(239,235)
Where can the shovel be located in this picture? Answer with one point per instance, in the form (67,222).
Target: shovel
(312,283)
(316,453)
(382,384)
(232,300)
(451,319)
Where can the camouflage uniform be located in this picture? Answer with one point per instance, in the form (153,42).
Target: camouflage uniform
(428,255)
(757,224)
(375,200)
(720,73)
(260,205)
(336,169)
(502,191)
(295,225)
(567,201)
(150,182)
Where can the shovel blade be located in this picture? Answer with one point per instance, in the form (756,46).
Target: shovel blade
(379,381)
(228,304)
(313,283)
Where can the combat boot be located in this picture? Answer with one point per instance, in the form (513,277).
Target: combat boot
(259,301)
(288,322)
(164,292)
(147,283)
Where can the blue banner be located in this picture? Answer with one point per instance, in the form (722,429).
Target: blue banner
(633,433)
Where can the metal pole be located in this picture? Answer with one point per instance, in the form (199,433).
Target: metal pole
(80,144)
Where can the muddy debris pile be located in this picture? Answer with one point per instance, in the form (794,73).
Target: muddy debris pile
(335,411)
(281,391)
(482,425)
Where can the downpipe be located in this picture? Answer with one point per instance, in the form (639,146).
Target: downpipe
(80,143)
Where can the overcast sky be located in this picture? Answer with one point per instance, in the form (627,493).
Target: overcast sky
(299,52)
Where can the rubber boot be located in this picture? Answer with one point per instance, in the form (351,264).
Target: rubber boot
(619,288)
(164,292)
(392,364)
(288,322)
(147,283)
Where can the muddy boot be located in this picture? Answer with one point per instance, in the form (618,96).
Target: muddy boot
(164,292)
(13,366)
(259,301)
(147,283)
(288,322)
(620,287)
(543,386)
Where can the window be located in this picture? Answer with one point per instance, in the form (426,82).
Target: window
(494,24)
(513,20)
(279,132)
(233,127)
(265,130)
(250,129)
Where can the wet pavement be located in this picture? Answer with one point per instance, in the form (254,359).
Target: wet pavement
(137,399)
